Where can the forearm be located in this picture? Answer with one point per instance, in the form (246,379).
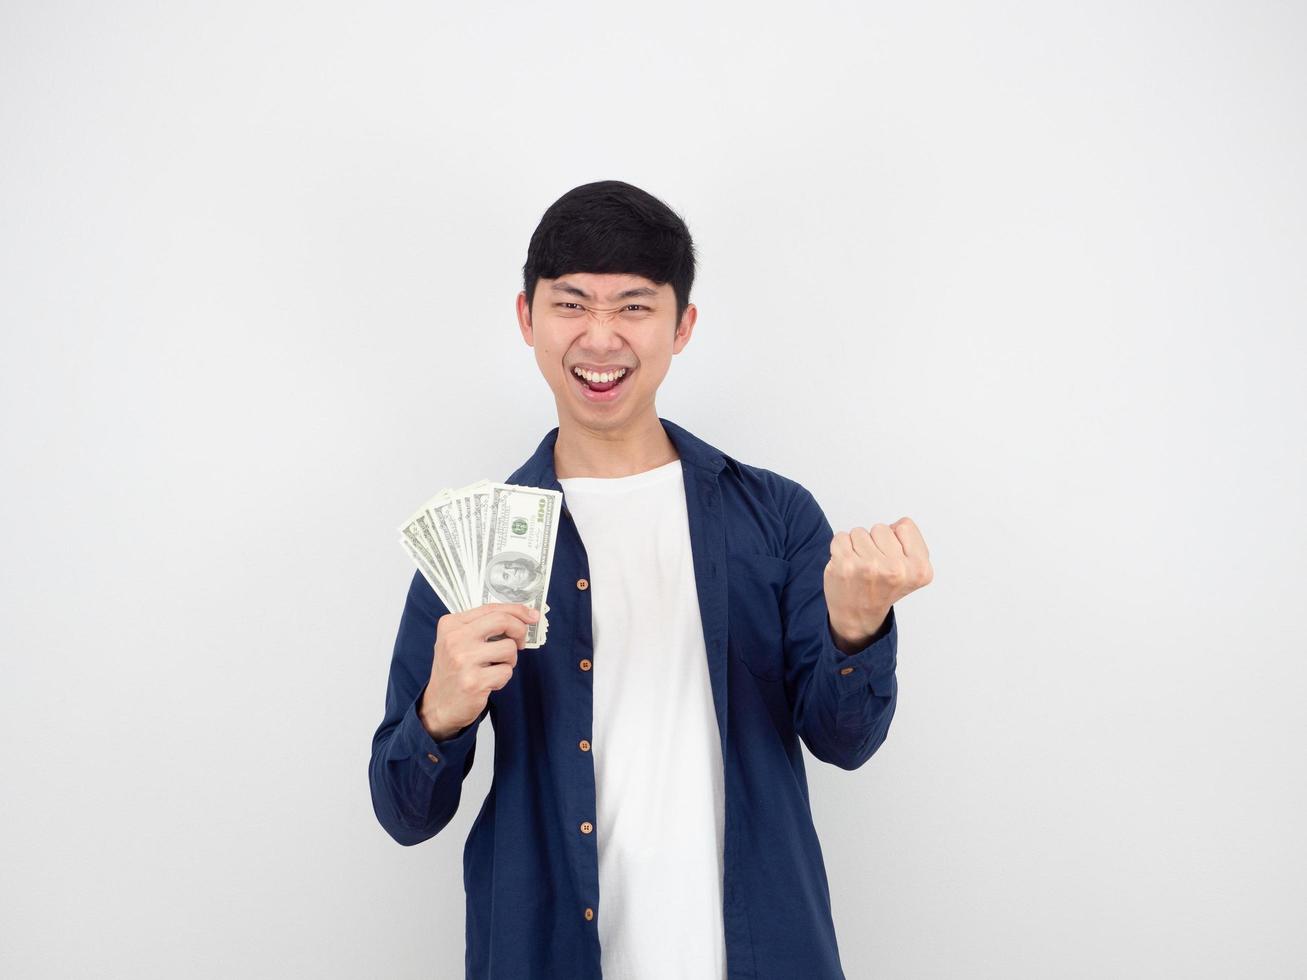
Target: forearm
(849,701)
(416,778)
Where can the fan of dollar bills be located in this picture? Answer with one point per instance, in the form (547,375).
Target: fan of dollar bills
(488,542)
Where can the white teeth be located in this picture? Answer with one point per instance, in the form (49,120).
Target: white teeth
(601,378)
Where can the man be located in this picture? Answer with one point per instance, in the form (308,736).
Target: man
(648,816)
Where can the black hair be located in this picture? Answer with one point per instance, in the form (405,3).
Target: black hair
(610,226)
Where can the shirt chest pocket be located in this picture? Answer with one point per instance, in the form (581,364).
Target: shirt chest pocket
(755,630)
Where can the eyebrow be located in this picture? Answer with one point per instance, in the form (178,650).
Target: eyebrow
(567,287)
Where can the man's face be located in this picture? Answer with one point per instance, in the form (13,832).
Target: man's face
(603,323)
(506,575)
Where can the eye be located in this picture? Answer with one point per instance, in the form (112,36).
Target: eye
(636,306)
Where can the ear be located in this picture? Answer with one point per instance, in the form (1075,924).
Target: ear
(685,328)
(524,319)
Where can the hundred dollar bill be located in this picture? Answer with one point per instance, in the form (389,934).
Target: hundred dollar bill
(427,566)
(445,519)
(422,539)
(520,550)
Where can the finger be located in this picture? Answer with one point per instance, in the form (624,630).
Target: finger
(840,546)
(909,535)
(519,609)
(516,631)
(863,546)
(503,623)
(496,678)
(500,652)
(888,543)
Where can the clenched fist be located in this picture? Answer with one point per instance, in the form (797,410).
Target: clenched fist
(476,651)
(869,571)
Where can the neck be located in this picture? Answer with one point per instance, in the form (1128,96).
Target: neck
(640,445)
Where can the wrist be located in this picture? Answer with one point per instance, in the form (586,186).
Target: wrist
(851,641)
(436,727)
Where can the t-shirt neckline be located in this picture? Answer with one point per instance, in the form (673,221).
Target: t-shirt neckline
(614,484)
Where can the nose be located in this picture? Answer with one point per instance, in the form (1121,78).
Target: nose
(600,334)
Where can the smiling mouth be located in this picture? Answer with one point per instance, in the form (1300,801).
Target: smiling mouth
(602,385)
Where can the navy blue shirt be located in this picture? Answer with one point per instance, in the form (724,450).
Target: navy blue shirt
(760,544)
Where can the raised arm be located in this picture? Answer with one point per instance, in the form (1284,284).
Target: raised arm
(841,633)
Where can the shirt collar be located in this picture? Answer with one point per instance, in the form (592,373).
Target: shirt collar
(538,471)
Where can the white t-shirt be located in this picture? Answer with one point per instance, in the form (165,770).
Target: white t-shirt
(657,752)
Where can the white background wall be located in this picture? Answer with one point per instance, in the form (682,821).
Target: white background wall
(1030,273)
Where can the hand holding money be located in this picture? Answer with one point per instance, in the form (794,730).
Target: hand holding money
(488,543)
(475,654)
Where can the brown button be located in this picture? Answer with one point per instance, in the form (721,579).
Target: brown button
(586,665)
(433,757)
(846,670)
(586,827)
(585,745)
(582,584)
(589,914)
